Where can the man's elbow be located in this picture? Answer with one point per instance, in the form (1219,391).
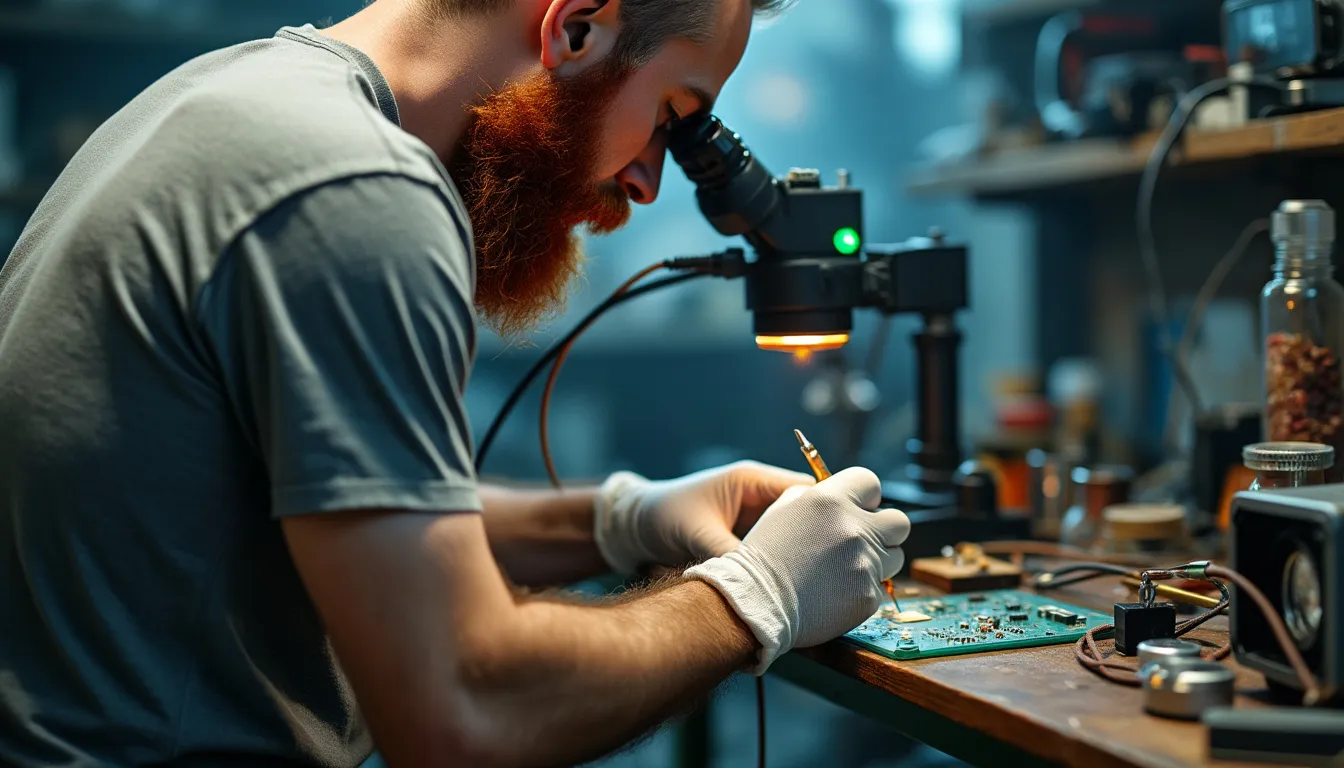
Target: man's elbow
(478,717)
(453,737)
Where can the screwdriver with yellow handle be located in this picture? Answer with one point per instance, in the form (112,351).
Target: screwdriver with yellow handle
(819,469)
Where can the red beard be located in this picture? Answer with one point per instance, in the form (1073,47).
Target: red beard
(525,170)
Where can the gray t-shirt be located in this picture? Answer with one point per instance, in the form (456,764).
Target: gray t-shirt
(247,297)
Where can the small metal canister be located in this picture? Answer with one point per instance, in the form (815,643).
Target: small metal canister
(1184,688)
(1163,648)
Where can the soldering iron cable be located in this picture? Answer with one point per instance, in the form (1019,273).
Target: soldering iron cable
(729,263)
(521,388)
(562,353)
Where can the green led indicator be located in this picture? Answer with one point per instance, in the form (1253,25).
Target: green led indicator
(847,241)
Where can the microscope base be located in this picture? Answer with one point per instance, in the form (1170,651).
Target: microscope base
(908,496)
(933,529)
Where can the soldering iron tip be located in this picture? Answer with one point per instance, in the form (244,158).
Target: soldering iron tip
(798,433)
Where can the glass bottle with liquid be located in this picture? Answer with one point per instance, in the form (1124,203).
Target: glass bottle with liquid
(1302,312)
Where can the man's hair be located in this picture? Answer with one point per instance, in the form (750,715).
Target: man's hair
(646,25)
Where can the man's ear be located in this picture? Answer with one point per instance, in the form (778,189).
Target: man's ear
(577,34)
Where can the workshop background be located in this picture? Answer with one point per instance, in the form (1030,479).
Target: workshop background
(893,91)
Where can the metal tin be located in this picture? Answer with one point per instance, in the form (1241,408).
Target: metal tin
(1288,457)
(1162,648)
(1183,688)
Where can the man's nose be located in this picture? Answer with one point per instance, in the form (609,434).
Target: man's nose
(642,177)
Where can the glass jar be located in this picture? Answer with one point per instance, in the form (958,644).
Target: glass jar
(1094,489)
(1302,312)
(1287,465)
(1050,491)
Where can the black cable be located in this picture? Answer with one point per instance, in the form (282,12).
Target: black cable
(760,721)
(1049,580)
(858,422)
(546,359)
(1195,318)
(1157,294)
(873,363)
(1052,580)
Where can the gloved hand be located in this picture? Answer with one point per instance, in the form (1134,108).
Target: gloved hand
(639,522)
(812,568)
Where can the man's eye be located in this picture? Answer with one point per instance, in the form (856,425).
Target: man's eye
(674,116)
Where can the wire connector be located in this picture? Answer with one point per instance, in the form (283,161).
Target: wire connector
(726,264)
(1196,570)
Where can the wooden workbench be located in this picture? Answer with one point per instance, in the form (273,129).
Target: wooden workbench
(1020,707)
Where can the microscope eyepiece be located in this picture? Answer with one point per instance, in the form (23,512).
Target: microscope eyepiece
(736,192)
(708,153)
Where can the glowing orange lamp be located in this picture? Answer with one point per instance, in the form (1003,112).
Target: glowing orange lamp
(816,342)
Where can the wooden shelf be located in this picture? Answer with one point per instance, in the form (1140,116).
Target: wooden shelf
(1058,165)
(122,28)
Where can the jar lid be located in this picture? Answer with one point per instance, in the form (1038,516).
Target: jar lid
(1288,457)
(1137,522)
(1309,223)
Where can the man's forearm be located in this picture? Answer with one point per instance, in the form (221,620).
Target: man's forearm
(575,682)
(542,538)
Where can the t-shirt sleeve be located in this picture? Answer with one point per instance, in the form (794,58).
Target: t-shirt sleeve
(344,329)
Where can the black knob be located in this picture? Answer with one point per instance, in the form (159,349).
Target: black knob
(976,488)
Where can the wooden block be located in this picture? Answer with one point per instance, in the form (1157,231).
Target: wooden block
(951,576)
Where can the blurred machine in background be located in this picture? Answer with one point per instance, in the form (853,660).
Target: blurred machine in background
(1120,72)
(1297,41)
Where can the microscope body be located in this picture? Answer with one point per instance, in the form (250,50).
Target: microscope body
(800,282)
(811,272)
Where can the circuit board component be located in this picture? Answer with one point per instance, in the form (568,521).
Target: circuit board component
(973,623)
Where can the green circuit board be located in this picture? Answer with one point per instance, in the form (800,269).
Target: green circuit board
(973,622)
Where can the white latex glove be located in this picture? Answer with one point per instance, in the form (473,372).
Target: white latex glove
(812,568)
(640,522)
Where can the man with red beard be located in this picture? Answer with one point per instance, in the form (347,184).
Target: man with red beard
(239,522)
